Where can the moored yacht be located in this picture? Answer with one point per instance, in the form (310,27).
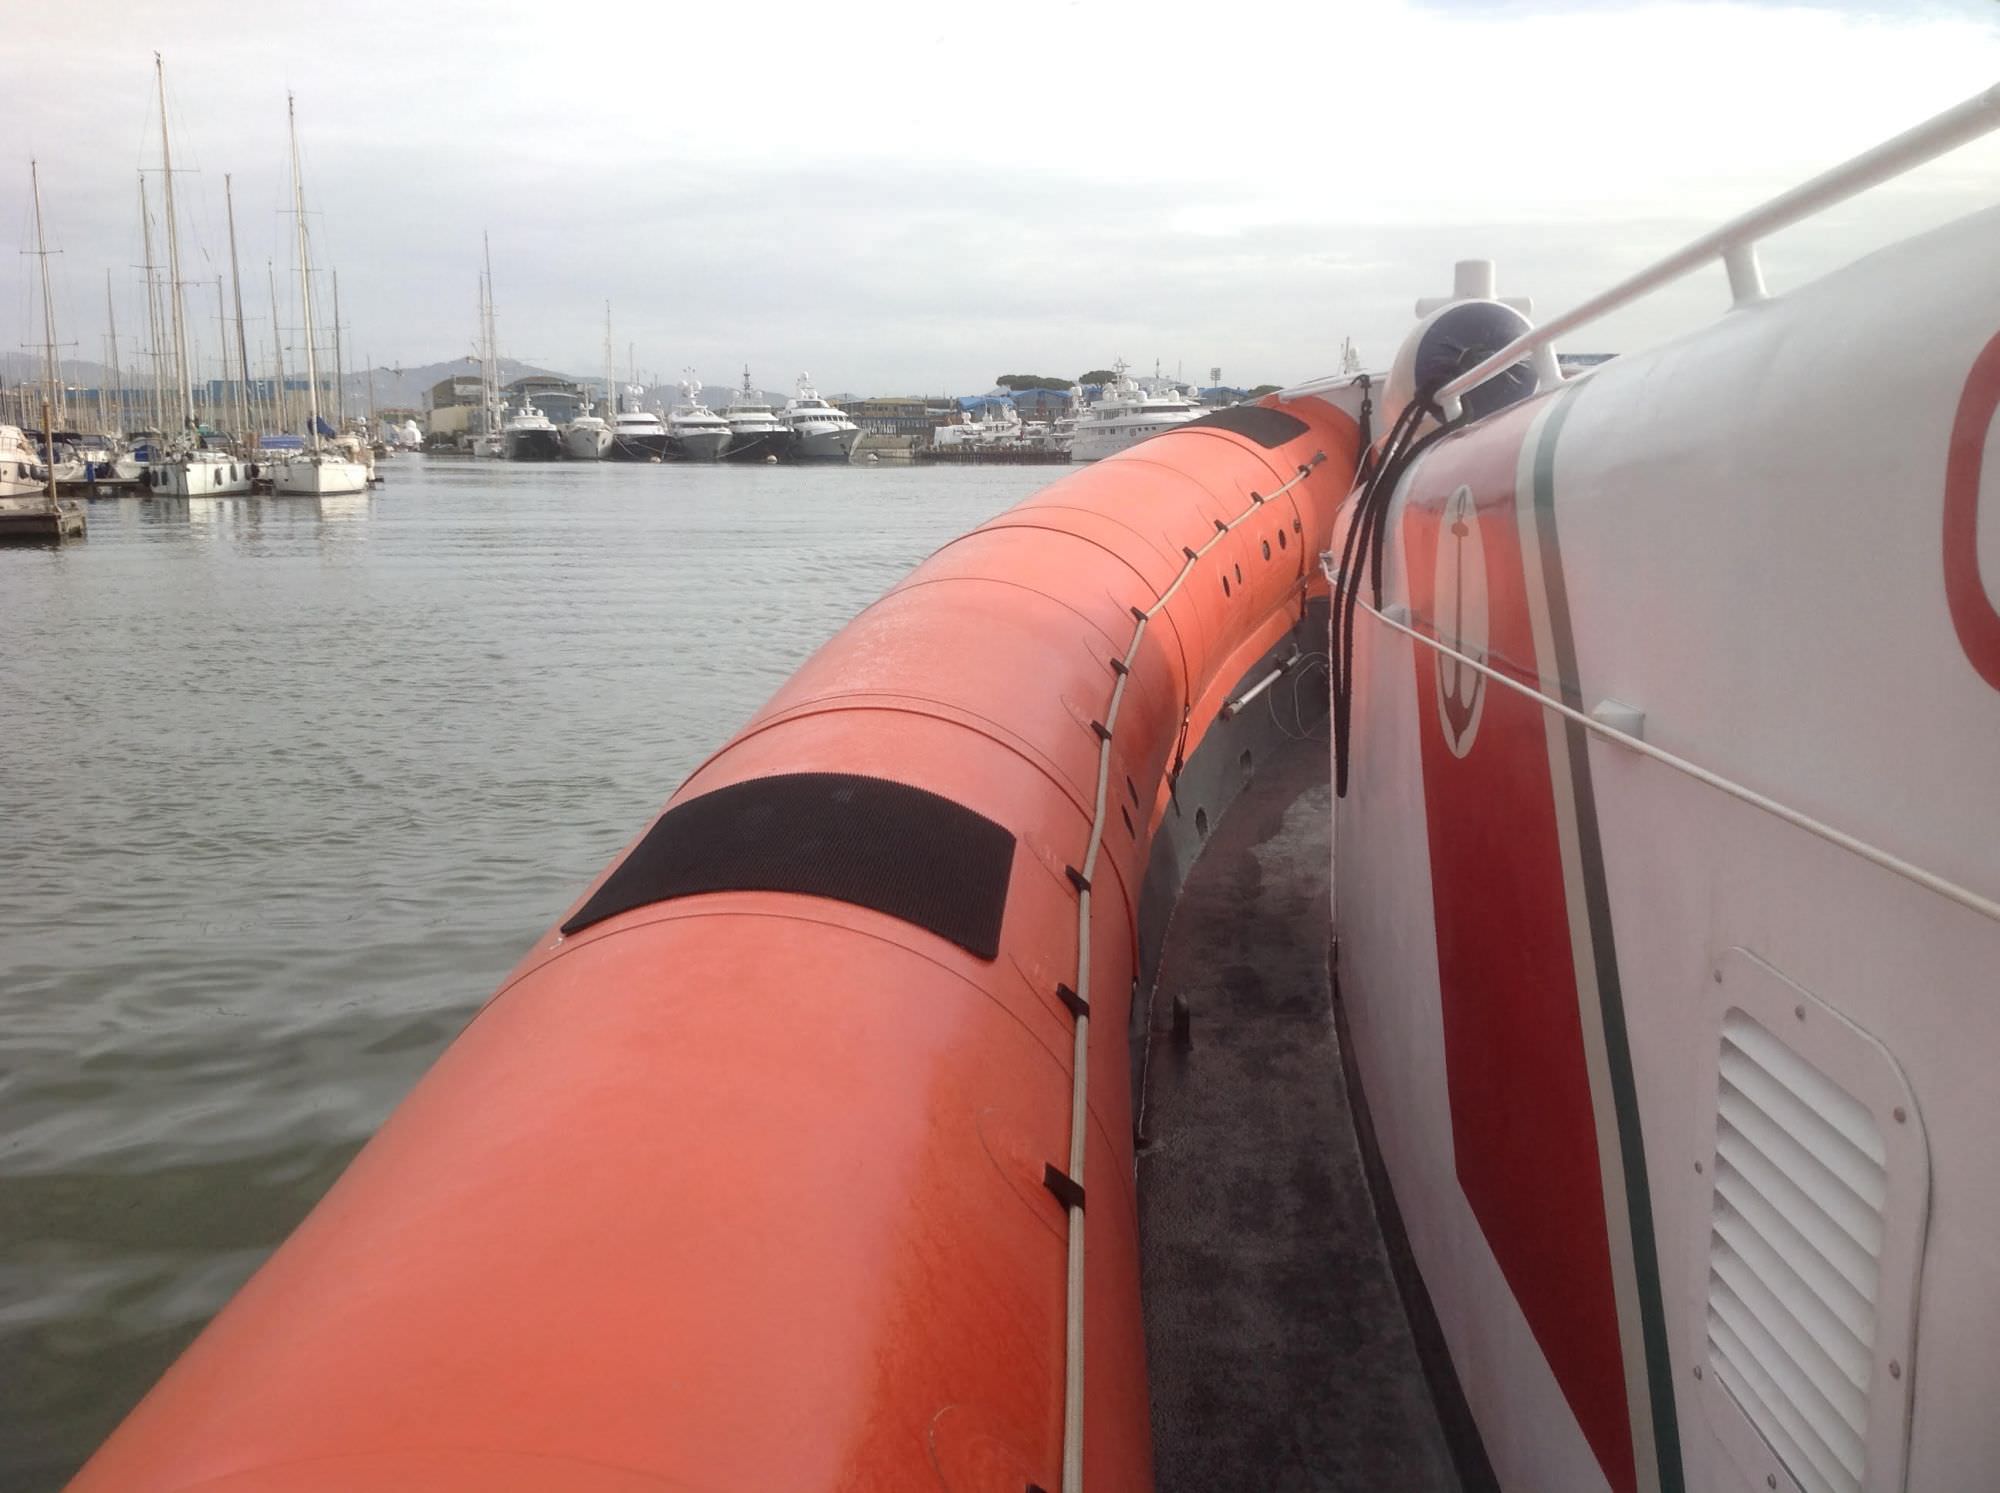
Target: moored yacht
(21,472)
(1124,415)
(755,432)
(694,431)
(529,436)
(324,468)
(818,430)
(188,470)
(637,434)
(134,456)
(586,438)
(184,466)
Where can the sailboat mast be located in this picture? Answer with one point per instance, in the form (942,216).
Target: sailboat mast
(305,279)
(182,386)
(222,345)
(158,413)
(339,366)
(492,334)
(51,369)
(117,368)
(236,289)
(283,418)
(610,398)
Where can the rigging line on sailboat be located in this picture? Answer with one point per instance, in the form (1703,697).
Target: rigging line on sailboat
(1079,1107)
(1930,881)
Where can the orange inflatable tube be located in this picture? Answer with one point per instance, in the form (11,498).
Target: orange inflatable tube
(759,1176)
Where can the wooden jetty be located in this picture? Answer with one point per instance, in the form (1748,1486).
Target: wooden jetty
(999,456)
(40,520)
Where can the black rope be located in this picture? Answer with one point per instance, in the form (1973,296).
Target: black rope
(1362,550)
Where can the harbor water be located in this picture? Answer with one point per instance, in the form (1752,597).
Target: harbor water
(290,784)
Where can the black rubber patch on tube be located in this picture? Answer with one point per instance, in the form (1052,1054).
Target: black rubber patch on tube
(865,841)
(1268,428)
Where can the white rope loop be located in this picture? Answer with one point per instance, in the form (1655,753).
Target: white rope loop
(1079,1103)
(1930,881)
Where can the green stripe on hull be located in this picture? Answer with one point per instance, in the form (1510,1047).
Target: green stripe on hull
(1618,1051)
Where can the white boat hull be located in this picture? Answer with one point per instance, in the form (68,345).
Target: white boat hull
(825,445)
(697,445)
(1092,443)
(199,479)
(1621,1027)
(586,443)
(323,477)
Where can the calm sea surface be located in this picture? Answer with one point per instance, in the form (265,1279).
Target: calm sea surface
(286,787)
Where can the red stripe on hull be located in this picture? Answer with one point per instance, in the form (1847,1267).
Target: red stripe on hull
(1523,1129)
(1972,612)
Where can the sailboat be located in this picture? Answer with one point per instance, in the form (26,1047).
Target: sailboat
(317,471)
(489,441)
(185,467)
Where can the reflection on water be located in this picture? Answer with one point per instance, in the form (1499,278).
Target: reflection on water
(289,784)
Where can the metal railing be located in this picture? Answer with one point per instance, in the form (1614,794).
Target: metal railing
(1735,242)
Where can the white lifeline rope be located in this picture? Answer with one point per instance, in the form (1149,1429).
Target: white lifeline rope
(1930,881)
(1072,1467)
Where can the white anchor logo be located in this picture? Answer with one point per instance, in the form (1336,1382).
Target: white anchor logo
(1460,621)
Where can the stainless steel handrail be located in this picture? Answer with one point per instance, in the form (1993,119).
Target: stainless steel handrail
(1735,242)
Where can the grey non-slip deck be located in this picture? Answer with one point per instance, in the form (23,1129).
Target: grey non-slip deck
(1280,1354)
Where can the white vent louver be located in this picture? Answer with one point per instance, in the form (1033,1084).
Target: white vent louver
(1795,1255)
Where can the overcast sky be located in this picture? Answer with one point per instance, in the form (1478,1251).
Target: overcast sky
(919,197)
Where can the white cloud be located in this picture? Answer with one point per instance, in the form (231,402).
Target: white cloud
(916,196)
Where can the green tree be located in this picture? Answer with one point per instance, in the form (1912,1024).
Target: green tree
(1020,381)
(1097,376)
(1262,389)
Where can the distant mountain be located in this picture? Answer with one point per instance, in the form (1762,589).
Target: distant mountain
(393,388)
(26,368)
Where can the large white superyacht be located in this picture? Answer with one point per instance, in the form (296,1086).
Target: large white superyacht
(755,431)
(636,434)
(694,431)
(1124,415)
(819,431)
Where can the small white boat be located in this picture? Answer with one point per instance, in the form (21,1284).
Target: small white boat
(187,471)
(319,474)
(21,472)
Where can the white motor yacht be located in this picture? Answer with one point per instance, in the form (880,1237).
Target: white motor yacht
(694,431)
(1125,415)
(637,435)
(818,430)
(529,435)
(755,431)
(21,472)
(586,438)
(998,424)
